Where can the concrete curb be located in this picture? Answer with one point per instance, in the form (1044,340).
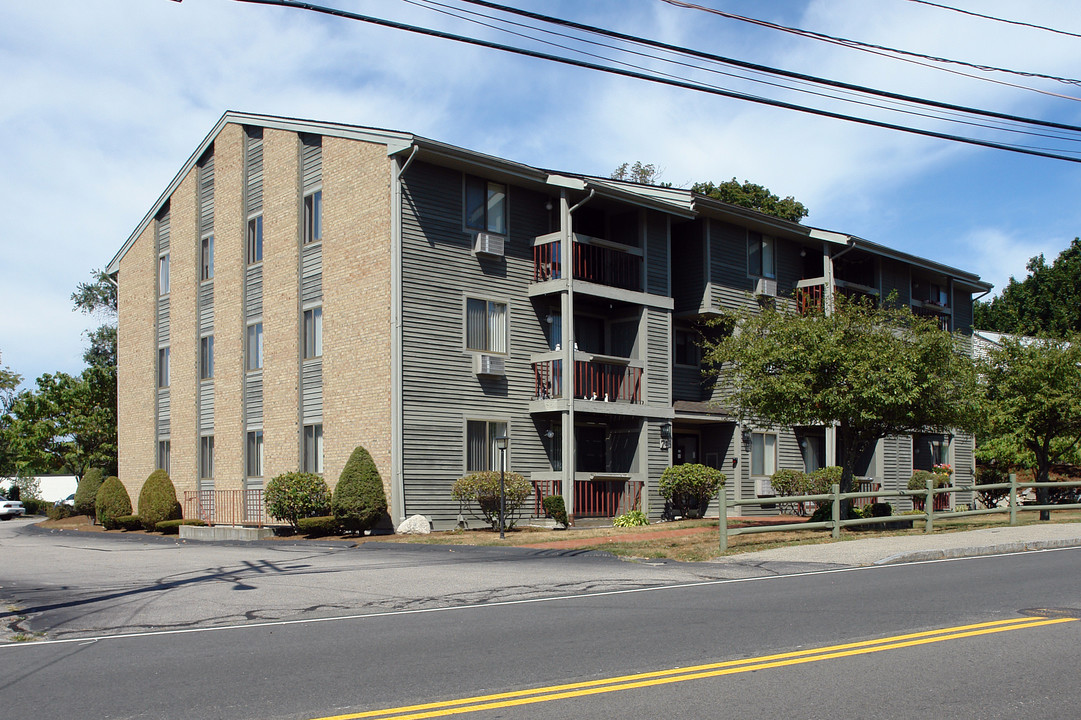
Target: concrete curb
(978,551)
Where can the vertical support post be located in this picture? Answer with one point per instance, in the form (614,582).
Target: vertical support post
(722,511)
(1013,498)
(929,505)
(835,510)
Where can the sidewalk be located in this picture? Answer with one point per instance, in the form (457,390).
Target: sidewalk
(913,548)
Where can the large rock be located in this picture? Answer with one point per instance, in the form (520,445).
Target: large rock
(415,525)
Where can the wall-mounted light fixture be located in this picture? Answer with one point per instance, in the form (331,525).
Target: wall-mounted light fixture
(548,318)
(666,436)
(746,437)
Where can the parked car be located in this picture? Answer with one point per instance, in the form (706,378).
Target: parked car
(10,508)
(69,501)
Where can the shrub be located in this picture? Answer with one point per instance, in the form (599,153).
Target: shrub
(319,526)
(14,492)
(157,500)
(112,501)
(880,509)
(296,495)
(125,522)
(634,518)
(823,478)
(556,509)
(34,506)
(991,475)
(58,512)
(919,479)
(87,491)
(688,488)
(172,527)
(790,482)
(359,501)
(482,488)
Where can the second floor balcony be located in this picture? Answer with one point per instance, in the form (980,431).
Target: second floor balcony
(591,259)
(602,380)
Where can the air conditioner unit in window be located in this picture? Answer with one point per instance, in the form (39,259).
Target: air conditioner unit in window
(495,365)
(766,286)
(489,244)
(763,488)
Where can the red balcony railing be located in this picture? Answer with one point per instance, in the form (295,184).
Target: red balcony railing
(604,382)
(592,263)
(810,298)
(548,379)
(543,489)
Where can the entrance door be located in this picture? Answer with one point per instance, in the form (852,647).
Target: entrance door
(686,447)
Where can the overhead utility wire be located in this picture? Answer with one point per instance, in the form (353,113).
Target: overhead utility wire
(650,78)
(883,50)
(998,19)
(894,106)
(772,70)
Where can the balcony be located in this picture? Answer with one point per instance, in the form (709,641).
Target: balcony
(598,497)
(811,294)
(593,260)
(608,380)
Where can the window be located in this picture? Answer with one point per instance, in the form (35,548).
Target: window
(763,454)
(254,350)
(313,217)
(163,455)
(485,325)
(206,457)
(206,258)
(686,349)
(485,206)
(313,332)
(255,453)
(206,357)
(481,451)
(163,367)
(163,274)
(313,448)
(255,240)
(760,259)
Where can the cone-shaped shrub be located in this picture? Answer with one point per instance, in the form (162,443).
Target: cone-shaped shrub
(87,491)
(359,500)
(157,500)
(112,502)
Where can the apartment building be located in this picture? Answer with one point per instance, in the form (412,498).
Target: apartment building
(301,288)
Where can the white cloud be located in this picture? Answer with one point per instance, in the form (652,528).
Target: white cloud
(997,255)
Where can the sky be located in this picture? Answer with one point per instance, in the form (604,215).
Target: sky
(101,103)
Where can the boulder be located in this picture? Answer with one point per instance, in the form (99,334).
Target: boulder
(415,525)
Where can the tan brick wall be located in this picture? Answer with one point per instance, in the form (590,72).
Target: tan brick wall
(356,305)
(137,349)
(281,354)
(230,246)
(184,335)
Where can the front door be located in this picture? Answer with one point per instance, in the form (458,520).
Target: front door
(686,447)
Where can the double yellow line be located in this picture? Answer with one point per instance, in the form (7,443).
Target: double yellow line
(697,672)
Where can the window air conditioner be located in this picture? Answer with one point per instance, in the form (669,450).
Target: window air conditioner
(489,365)
(766,286)
(763,488)
(489,244)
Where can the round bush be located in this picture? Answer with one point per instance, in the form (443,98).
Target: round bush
(823,478)
(296,495)
(359,501)
(788,482)
(157,500)
(688,488)
(112,502)
(482,488)
(87,491)
(919,479)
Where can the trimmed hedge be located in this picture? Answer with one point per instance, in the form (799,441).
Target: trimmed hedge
(482,488)
(319,526)
(555,508)
(112,501)
(172,527)
(157,500)
(295,495)
(688,488)
(126,522)
(359,501)
(34,506)
(87,492)
(58,512)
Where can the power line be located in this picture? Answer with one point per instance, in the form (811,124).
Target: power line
(997,19)
(880,49)
(651,78)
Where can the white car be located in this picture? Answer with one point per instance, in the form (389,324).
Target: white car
(10,508)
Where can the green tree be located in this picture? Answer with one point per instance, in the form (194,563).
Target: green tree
(753,196)
(359,500)
(1047,302)
(1032,396)
(639,173)
(872,371)
(98,298)
(9,383)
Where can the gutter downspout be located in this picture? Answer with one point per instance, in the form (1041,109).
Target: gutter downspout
(569,370)
(397,443)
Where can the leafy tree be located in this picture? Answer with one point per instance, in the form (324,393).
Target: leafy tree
(9,383)
(639,173)
(1047,302)
(98,298)
(753,196)
(359,501)
(872,371)
(1032,395)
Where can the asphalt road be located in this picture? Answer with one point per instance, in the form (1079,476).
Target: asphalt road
(689,641)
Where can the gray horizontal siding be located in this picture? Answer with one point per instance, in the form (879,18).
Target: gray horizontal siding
(253,399)
(311,162)
(657,253)
(311,391)
(253,293)
(206,195)
(163,321)
(206,306)
(657,460)
(311,273)
(206,406)
(895,277)
(659,356)
(254,170)
(163,233)
(163,411)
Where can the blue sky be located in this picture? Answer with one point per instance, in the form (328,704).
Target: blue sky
(102,103)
